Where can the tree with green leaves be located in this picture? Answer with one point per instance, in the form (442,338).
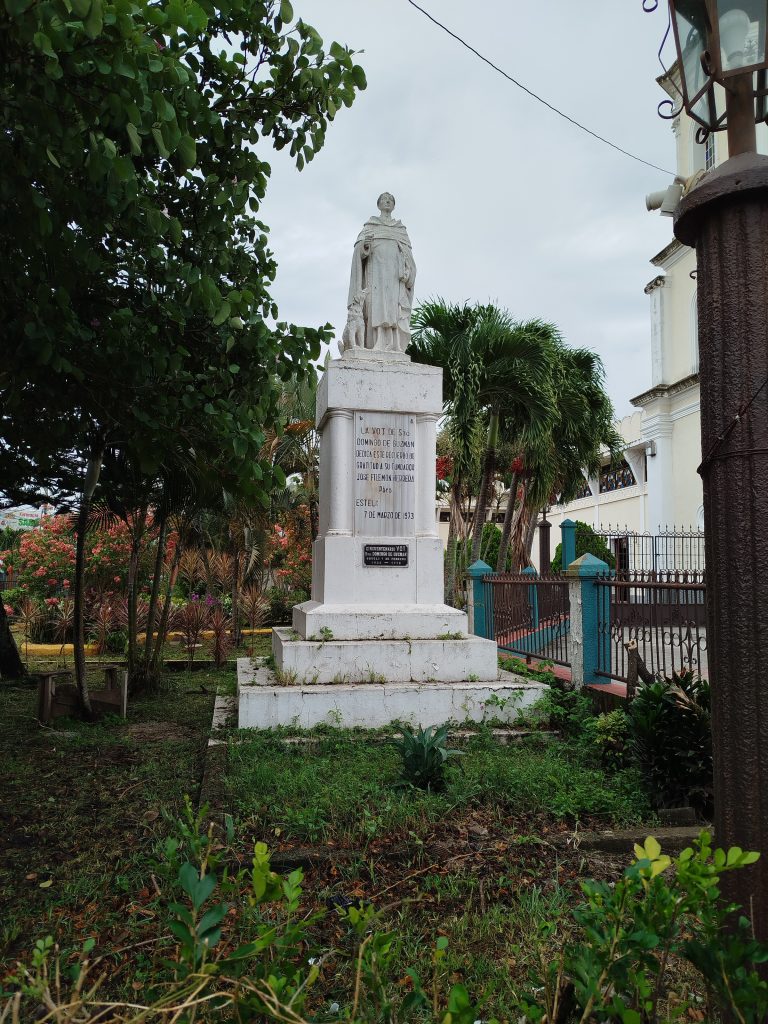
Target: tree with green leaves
(135,294)
(492,372)
(553,462)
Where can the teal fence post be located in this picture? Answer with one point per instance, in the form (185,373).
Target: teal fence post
(482,619)
(568,541)
(533,597)
(590,607)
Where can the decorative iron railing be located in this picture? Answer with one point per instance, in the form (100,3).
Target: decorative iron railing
(664,613)
(669,550)
(529,615)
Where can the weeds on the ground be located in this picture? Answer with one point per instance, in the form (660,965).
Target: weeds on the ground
(541,671)
(81,804)
(324,792)
(424,754)
(242,945)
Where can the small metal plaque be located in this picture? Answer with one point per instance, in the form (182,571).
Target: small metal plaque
(385,554)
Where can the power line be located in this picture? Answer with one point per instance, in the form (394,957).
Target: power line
(535,96)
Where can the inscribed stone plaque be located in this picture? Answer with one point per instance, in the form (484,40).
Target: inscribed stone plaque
(385,474)
(395,555)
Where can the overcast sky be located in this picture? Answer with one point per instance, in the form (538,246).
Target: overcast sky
(502,199)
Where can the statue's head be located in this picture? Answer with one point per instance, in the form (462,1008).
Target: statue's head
(386,201)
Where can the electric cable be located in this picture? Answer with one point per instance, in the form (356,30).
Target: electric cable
(535,96)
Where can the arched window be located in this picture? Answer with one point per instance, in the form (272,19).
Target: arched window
(709,152)
(703,157)
(694,334)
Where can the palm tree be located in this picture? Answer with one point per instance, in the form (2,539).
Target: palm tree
(518,401)
(554,461)
(492,367)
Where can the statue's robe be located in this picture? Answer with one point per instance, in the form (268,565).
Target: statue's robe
(387,276)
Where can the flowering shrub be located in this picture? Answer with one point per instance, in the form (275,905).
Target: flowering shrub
(289,552)
(45,560)
(444,467)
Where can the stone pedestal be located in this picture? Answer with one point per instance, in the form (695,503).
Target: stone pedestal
(377,564)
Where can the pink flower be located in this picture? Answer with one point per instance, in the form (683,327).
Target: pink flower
(51,583)
(65,584)
(7,609)
(116,579)
(51,601)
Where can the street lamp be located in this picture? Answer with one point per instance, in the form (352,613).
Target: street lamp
(722,58)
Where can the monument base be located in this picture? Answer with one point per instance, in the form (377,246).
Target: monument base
(315,621)
(263,704)
(402,660)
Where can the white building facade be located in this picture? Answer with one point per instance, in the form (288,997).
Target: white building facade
(663,436)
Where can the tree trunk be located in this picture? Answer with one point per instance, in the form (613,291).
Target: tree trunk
(153,599)
(454,533)
(133,572)
(163,624)
(506,531)
(11,665)
(486,480)
(92,473)
(530,533)
(235,615)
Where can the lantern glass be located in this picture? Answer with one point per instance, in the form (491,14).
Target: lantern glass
(742,29)
(694,36)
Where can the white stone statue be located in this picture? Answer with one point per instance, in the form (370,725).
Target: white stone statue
(381,284)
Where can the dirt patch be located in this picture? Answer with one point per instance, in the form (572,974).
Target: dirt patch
(159,732)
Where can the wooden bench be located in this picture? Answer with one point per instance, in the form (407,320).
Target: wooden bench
(57,699)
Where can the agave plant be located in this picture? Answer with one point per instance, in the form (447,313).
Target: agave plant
(101,622)
(29,616)
(256,606)
(191,569)
(64,622)
(192,620)
(220,625)
(424,756)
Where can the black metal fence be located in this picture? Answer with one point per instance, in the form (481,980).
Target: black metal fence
(669,550)
(529,615)
(664,613)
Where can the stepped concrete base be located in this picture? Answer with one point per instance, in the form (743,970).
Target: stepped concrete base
(378,621)
(264,705)
(384,661)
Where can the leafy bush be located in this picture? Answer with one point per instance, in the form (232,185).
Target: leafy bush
(662,909)
(610,736)
(424,755)
(12,596)
(587,543)
(671,741)
(569,711)
(542,672)
(281,603)
(116,641)
(269,977)
(489,548)
(246,949)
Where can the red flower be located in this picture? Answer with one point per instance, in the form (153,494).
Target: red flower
(443,467)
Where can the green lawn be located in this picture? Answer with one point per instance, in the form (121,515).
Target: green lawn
(485,863)
(82,808)
(86,810)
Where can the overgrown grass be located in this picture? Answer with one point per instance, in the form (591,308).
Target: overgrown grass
(485,863)
(344,788)
(82,807)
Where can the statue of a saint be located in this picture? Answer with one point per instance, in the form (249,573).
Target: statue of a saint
(381,284)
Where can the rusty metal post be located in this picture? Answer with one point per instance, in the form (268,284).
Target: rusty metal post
(545,556)
(726,219)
